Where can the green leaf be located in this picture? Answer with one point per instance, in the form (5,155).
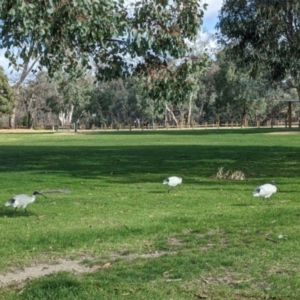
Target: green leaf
(7,54)
(12,12)
(50,10)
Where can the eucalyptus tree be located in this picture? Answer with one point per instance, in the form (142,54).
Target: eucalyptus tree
(24,70)
(70,97)
(175,84)
(272,108)
(120,101)
(114,37)
(205,101)
(239,96)
(99,33)
(236,93)
(31,98)
(6,94)
(265,35)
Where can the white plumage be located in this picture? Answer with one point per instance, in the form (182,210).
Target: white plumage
(22,200)
(172,181)
(265,190)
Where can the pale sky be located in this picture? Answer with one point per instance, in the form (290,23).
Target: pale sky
(209,22)
(211,14)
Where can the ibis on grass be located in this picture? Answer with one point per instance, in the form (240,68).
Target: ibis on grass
(22,200)
(172,181)
(265,190)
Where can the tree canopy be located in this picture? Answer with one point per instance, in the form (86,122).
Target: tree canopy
(71,97)
(6,94)
(107,35)
(264,34)
(237,95)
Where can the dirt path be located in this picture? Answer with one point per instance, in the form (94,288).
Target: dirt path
(75,266)
(41,270)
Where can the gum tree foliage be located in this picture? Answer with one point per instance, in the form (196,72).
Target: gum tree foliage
(6,94)
(24,70)
(175,86)
(177,82)
(206,95)
(31,98)
(99,34)
(240,97)
(120,102)
(265,35)
(70,97)
(237,95)
(204,108)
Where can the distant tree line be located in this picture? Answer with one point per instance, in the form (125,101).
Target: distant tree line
(223,94)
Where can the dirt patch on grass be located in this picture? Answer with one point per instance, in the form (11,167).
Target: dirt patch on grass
(154,254)
(26,274)
(229,277)
(22,275)
(207,286)
(173,241)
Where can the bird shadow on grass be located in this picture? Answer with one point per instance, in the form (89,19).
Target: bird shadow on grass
(10,214)
(242,204)
(158,192)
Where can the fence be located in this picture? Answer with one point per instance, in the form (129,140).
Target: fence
(194,125)
(205,125)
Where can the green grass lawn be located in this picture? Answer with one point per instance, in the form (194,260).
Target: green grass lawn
(206,239)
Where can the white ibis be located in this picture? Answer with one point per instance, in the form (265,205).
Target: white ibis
(265,190)
(22,200)
(172,181)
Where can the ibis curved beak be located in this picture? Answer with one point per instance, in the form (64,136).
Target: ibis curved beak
(41,194)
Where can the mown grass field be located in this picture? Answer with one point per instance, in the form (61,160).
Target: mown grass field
(206,239)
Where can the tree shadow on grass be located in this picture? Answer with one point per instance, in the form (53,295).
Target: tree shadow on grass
(152,163)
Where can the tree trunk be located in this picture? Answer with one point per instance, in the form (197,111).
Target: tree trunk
(190,112)
(298,91)
(65,118)
(70,114)
(172,115)
(12,119)
(166,117)
(24,74)
(201,109)
(61,117)
(30,120)
(244,112)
